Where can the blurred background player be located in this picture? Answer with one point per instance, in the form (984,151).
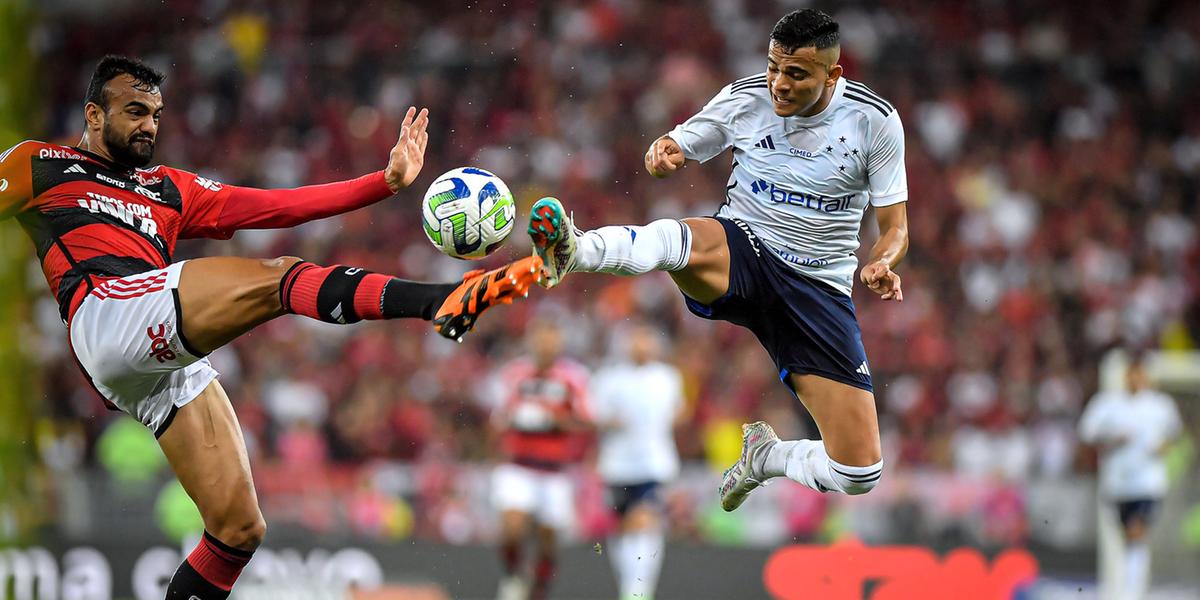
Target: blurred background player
(141,326)
(811,150)
(1132,429)
(636,404)
(542,423)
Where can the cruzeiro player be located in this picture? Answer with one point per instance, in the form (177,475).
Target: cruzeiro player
(636,404)
(1133,428)
(810,150)
(141,325)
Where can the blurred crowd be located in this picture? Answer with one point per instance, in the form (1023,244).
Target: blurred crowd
(1053,157)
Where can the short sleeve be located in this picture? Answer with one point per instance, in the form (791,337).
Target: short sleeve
(601,394)
(1174,423)
(15,179)
(203,200)
(677,400)
(710,131)
(887,180)
(1092,424)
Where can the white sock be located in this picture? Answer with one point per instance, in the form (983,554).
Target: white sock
(637,558)
(663,245)
(1137,570)
(617,545)
(806,463)
(644,550)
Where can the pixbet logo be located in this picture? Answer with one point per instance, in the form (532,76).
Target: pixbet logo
(160,349)
(52,153)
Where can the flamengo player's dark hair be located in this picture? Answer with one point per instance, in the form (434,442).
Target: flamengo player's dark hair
(803,28)
(111,66)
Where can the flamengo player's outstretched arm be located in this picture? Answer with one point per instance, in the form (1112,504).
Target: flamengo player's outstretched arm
(141,325)
(811,150)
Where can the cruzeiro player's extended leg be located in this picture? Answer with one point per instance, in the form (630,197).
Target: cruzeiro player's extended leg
(697,254)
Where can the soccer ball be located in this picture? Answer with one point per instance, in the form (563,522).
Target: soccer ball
(468,213)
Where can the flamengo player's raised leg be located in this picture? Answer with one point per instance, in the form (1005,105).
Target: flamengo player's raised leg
(221,298)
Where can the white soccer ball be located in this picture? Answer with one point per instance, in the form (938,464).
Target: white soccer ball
(468,213)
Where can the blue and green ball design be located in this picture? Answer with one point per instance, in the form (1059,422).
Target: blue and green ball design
(468,213)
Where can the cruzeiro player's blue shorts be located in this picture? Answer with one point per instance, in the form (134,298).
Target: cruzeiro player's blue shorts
(807,326)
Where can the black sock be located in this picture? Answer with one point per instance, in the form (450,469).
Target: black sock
(188,584)
(341,294)
(403,298)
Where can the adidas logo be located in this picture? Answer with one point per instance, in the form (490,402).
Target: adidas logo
(862,369)
(75,168)
(337,315)
(766,142)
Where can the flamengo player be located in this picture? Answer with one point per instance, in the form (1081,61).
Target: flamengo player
(541,421)
(810,150)
(140,326)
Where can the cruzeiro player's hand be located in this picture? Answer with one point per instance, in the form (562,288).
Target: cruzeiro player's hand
(664,157)
(882,280)
(408,156)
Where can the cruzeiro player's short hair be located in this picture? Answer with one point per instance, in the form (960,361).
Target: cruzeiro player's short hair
(803,28)
(112,66)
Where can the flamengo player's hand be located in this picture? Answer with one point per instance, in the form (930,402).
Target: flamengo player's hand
(882,280)
(664,157)
(408,156)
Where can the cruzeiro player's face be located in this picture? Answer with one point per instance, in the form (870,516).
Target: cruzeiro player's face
(801,81)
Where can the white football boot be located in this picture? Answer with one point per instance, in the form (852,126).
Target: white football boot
(554,239)
(739,480)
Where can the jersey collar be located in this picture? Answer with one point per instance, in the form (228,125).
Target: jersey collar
(104,162)
(838,88)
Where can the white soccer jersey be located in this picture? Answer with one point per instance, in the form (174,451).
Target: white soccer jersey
(802,183)
(1136,425)
(643,400)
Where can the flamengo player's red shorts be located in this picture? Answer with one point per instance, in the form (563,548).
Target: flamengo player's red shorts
(126,338)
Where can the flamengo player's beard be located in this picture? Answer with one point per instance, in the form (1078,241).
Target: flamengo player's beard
(135,152)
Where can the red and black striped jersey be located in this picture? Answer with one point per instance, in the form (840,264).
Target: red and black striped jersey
(92,220)
(538,408)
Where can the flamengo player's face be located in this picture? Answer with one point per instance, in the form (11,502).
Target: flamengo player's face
(802,81)
(129,126)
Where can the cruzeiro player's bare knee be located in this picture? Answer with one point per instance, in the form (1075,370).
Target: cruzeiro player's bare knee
(706,276)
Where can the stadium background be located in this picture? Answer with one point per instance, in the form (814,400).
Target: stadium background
(1052,151)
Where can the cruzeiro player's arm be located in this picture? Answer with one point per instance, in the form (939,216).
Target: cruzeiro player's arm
(15,179)
(703,136)
(887,184)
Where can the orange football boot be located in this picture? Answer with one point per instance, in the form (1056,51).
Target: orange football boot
(481,290)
